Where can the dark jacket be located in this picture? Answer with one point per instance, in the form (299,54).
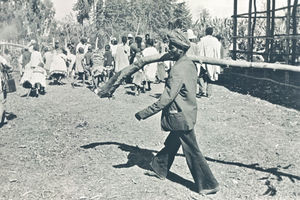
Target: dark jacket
(108,59)
(178,100)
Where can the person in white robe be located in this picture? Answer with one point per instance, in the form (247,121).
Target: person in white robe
(150,69)
(34,76)
(58,67)
(122,55)
(48,57)
(81,44)
(209,46)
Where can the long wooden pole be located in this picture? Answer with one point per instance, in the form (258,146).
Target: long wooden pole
(114,82)
(263,12)
(12,44)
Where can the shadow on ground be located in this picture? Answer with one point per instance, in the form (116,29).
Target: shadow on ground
(9,116)
(142,157)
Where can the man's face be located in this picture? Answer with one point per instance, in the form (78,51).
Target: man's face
(174,52)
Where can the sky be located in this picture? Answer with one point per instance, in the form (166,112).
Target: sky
(217,8)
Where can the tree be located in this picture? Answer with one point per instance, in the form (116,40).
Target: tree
(31,18)
(83,8)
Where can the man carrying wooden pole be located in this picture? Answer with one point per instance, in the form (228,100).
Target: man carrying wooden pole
(113,83)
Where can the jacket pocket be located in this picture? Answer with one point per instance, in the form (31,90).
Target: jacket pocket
(174,122)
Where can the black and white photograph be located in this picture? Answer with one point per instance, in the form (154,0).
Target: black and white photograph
(149,99)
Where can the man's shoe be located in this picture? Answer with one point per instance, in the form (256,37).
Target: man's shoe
(209,191)
(198,95)
(161,177)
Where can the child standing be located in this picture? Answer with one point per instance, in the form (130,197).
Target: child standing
(79,67)
(108,62)
(88,63)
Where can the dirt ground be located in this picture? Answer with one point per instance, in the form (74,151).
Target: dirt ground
(70,144)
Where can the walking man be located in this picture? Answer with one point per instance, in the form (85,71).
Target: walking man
(179,112)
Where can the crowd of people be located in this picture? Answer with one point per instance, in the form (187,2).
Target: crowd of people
(181,76)
(39,62)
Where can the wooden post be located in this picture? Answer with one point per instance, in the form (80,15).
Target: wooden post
(253,28)
(249,49)
(272,30)
(287,41)
(234,29)
(294,40)
(267,50)
(267,32)
(288,21)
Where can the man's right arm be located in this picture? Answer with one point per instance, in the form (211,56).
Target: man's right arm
(172,88)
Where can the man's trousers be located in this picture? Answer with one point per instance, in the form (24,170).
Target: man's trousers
(202,175)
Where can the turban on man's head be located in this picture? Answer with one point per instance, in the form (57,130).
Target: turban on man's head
(179,39)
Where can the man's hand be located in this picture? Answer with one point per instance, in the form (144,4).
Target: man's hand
(137,116)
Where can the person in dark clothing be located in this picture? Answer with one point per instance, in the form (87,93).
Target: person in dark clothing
(88,63)
(108,62)
(179,112)
(26,56)
(135,47)
(147,39)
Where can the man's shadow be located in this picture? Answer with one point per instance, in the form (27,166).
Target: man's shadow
(142,158)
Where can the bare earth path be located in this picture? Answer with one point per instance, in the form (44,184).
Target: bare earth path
(70,144)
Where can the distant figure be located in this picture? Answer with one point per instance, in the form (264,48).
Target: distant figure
(24,59)
(4,68)
(47,58)
(79,67)
(108,62)
(194,49)
(113,46)
(222,50)
(147,39)
(71,57)
(138,77)
(122,55)
(150,69)
(7,56)
(130,39)
(167,64)
(88,63)
(209,46)
(34,77)
(81,44)
(135,47)
(58,67)
(36,58)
